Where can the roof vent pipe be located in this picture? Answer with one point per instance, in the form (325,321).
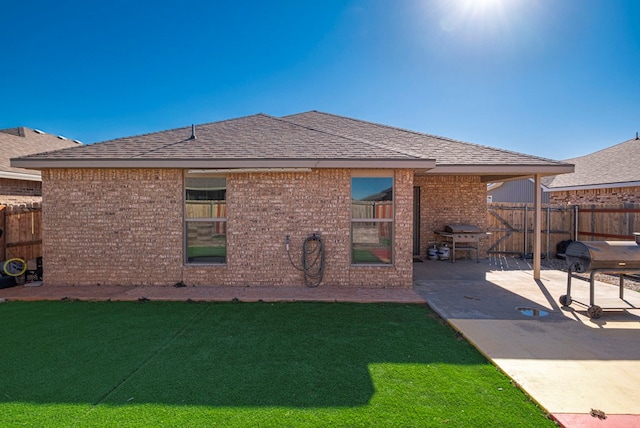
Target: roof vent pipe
(637,136)
(193,132)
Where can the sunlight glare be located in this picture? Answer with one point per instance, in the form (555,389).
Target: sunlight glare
(479,13)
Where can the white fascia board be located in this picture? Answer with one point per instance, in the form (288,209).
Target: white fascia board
(507,170)
(593,186)
(420,164)
(21,176)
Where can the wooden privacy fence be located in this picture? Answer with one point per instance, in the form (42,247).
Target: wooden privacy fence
(373,210)
(511,225)
(208,210)
(21,232)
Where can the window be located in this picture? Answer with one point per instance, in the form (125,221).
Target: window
(205,219)
(372,220)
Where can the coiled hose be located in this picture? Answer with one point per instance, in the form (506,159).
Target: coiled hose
(312,259)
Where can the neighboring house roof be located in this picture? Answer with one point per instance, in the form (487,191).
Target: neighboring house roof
(517,191)
(615,166)
(306,140)
(22,141)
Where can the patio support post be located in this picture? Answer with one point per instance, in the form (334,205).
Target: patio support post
(537,235)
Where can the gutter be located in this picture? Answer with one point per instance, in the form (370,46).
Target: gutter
(39,164)
(509,170)
(20,176)
(593,186)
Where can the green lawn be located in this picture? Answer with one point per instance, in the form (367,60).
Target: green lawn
(180,364)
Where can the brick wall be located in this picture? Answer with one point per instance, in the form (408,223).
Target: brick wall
(112,226)
(126,227)
(615,195)
(263,208)
(19,191)
(450,200)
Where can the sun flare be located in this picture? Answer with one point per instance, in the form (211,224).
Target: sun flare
(489,15)
(482,6)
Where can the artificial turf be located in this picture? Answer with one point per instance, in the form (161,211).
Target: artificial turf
(246,364)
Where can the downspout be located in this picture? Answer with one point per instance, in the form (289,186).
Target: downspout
(537,216)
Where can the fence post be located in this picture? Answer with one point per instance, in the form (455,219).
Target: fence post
(526,229)
(548,229)
(3,227)
(575,222)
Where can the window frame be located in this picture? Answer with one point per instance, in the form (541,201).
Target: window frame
(391,220)
(212,219)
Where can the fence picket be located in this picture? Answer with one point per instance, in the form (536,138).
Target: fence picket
(509,224)
(22,233)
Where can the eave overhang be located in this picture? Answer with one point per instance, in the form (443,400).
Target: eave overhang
(593,186)
(35,176)
(491,173)
(40,164)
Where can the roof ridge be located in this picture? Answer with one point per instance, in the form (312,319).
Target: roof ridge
(189,138)
(631,140)
(179,128)
(16,131)
(359,140)
(431,135)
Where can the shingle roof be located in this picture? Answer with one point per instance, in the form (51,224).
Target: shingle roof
(252,137)
(613,165)
(445,150)
(295,140)
(22,141)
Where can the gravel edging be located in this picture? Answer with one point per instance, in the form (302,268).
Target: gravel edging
(630,282)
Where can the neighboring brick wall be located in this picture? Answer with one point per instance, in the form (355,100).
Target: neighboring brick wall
(450,200)
(19,191)
(126,227)
(112,226)
(614,195)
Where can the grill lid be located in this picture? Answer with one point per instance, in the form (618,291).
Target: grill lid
(583,256)
(462,228)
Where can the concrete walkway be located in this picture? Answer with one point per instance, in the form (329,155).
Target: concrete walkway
(37,291)
(571,365)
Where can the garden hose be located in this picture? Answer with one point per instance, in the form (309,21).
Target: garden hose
(313,259)
(15,267)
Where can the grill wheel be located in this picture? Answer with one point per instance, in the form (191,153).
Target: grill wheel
(565,300)
(594,311)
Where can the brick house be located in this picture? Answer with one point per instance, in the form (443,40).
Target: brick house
(608,176)
(19,185)
(216,204)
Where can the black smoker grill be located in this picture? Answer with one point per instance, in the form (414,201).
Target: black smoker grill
(615,257)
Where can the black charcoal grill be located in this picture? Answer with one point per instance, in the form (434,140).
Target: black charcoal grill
(613,257)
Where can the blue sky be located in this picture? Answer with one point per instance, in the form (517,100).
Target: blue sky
(553,78)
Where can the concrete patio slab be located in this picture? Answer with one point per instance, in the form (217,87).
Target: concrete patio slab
(568,363)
